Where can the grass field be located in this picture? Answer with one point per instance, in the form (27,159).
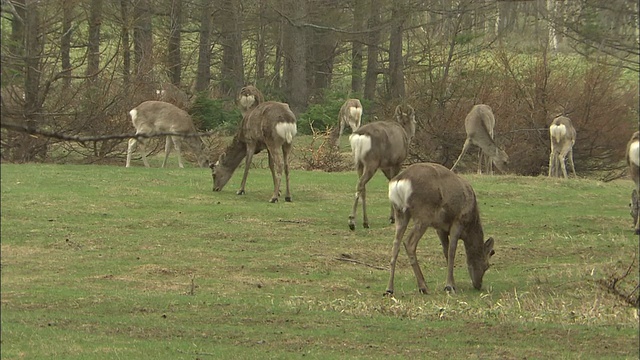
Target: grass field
(103,262)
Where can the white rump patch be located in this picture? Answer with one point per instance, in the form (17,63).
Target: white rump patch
(634,153)
(558,132)
(399,193)
(247,100)
(356,112)
(287,131)
(360,146)
(133,114)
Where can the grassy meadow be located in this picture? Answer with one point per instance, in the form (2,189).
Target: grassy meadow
(105,262)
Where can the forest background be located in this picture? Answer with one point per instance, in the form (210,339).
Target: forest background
(76,67)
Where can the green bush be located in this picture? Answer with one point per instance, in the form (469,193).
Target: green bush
(214,114)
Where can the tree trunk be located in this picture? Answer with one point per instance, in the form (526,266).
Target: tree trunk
(232,70)
(143,50)
(371,77)
(295,47)
(396,63)
(65,42)
(93,46)
(126,45)
(261,47)
(174,61)
(204,48)
(359,24)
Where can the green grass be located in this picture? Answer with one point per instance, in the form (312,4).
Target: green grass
(103,262)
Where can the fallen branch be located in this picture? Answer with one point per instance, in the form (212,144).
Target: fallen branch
(346,258)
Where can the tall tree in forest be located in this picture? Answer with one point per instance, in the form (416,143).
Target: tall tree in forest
(359,24)
(295,47)
(261,41)
(203,75)
(373,50)
(321,44)
(65,41)
(143,48)
(126,45)
(232,70)
(396,63)
(174,61)
(93,45)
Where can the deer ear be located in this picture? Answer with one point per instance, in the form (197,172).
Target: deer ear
(488,247)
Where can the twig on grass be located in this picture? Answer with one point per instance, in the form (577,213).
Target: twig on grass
(346,258)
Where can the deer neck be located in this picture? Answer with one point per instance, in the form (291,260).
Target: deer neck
(235,152)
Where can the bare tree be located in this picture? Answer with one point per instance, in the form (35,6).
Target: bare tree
(203,73)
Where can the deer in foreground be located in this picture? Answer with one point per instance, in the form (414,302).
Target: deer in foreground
(380,145)
(271,125)
(249,98)
(156,117)
(434,196)
(633,160)
(479,125)
(563,137)
(351,115)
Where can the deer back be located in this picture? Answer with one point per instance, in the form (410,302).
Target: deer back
(351,113)
(562,131)
(269,121)
(479,124)
(159,116)
(173,95)
(439,197)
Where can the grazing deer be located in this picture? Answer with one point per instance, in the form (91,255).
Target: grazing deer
(270,125)
(633,160)
(157,116)
(249,98)
(351,115)
(173,95)
(563,137)
(380,145)
(479,125)
(434,196)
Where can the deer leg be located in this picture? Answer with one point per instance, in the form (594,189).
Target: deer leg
(286,150)
(635,210)
(364,176)
(247,165)
(390,173)
(453,244)
(573,166)
(563,164)
(551,163)
(410,246)
(444,241)
(465,147)
(143,151)
(276,171)
(480,161)
(401,227)
(131,147)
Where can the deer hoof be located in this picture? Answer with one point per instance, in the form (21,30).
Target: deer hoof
(388,293)
(352,226)
(423,291)
(288,199)
(637,231)
(365,225)
(240,192)
(273,200)
(392,220)
(450,289)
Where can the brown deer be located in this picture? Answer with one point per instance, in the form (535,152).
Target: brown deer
(249,98)
(270,125)
(380,145)
(633,160)
(173,95)
(563,137)
(351,115)
(157,117)
(434,196)
(479,125)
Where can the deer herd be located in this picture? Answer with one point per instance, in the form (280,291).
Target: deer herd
(427,193)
